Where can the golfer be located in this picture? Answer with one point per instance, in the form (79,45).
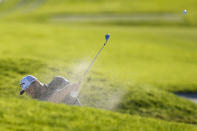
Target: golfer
(59,90)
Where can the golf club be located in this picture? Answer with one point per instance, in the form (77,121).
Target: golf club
(77,85)
(107,36)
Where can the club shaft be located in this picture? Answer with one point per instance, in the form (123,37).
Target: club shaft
(85,73)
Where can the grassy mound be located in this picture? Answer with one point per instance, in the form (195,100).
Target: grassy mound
(12,70)
(99,92)
(34,115)
(148,101)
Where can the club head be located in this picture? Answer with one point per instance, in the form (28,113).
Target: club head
(107,36)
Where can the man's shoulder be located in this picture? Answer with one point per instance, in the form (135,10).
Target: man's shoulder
(60,78)
(58,82)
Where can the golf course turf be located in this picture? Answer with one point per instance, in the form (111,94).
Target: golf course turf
(132,83)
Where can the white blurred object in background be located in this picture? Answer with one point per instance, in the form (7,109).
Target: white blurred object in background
(185,12)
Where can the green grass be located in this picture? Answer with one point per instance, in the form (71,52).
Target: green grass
(163,57)
(52,8)
(45,116)
(157,103)
(7,4)
(135,55)
(136,74)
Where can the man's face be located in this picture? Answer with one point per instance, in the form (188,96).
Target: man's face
(31,91)
(35,89)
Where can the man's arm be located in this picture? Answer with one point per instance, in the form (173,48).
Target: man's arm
(59,95)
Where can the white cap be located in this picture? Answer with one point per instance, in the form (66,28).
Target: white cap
(26,82)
